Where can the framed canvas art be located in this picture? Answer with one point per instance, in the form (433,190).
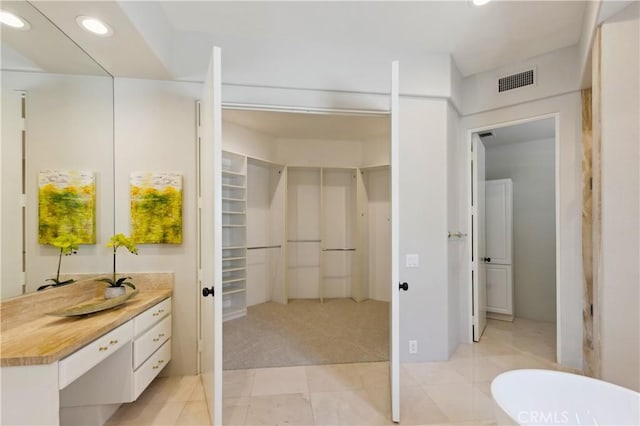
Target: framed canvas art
(156,208)
(66,205)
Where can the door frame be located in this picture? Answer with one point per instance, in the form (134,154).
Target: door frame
(304,110)
(467,202)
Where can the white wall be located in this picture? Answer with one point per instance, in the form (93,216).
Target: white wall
(378,186)
(69,127)
(620,284)
(531,166)
(455,223)
(556,75)
(155,130)
(423,228)
(568,209)
(318,153)
(239,139)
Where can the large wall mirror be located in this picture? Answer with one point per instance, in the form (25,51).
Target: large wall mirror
(57,116)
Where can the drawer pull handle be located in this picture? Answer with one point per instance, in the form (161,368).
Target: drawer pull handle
(113,342)
(156,339)
(155,314)
(160,361)
(161,310)
(161,335)
(155,367)
(103,348)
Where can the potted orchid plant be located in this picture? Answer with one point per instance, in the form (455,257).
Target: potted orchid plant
(116,285)
(68,245)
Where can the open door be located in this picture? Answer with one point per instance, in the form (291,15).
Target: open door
(478,273)
(210,237)
(394,363)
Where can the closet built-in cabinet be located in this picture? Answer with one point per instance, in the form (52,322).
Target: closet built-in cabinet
(499,266)
(292,232)
(234,235)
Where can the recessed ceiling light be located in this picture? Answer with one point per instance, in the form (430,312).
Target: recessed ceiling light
(13,20)
(94,26)
(480,2)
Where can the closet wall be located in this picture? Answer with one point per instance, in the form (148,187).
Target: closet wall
(312,210)
(266,184)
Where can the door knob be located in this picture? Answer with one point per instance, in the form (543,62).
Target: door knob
(487,259)
(404,286)
(207,291)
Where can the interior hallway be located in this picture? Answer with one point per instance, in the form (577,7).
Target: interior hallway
(452,392)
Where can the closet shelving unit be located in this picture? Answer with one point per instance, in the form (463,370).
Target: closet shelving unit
(234,235)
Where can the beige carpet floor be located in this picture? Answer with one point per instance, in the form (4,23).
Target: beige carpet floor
(306,332)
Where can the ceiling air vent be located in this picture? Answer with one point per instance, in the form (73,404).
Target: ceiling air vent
(521,79)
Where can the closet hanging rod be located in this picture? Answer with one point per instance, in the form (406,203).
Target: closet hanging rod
(263,247)
(304,241)
(339,249)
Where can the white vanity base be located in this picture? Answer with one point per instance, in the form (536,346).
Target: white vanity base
(87,386)
(83,416)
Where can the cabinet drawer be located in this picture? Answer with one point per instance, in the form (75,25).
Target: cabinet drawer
(147,344)
(150,368)
(81,361)
(149,317)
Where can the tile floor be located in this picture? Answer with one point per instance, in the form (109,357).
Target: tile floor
(452,392)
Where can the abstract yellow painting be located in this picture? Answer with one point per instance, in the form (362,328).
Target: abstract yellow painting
(66,206)
(156,208)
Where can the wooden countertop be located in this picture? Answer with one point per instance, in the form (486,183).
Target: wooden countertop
(47,339)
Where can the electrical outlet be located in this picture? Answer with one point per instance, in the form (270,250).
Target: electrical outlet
(413,346)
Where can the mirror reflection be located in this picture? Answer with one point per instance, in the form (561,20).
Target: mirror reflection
(57,129)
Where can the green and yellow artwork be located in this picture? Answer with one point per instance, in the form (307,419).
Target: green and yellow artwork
(156,208)
(66,205)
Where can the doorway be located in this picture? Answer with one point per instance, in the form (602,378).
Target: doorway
(311,287)
(514,246)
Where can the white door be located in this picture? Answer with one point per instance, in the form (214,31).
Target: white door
(478,276)
(210,237)
(498,205)
(395,244)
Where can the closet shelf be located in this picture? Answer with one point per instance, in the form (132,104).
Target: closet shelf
(234,290)
(232,212)
(230,186)
(231,173)
(236,313)
(229,259)
(233,247)
(238,200)
(233,280)
(233,269)
(234,226)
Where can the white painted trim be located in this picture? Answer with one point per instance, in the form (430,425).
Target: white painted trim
(305,110)
(468,142)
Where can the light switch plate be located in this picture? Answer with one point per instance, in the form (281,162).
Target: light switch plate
(412,261)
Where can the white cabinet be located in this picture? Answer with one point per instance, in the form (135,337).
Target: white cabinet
(81,361)
(499,252)
(234,235)
(499,289)
(499,217)
(116,367)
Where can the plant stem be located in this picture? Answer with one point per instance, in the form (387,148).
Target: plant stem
(114,265)
(59,262)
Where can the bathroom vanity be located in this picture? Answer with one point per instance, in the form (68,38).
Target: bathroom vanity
(78,370)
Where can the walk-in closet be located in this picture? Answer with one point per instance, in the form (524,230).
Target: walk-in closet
(306,248)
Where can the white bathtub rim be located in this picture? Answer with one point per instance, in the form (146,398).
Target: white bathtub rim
(502,391)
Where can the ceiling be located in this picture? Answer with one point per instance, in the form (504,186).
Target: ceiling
(172,39)
(523,132)
(320,126)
